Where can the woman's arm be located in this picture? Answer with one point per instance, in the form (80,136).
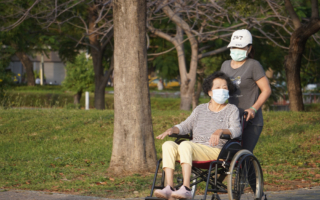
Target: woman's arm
(265,89)
(168,132)
(215,137)
(183,128)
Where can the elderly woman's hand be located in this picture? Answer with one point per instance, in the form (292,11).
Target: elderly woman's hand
(164,134)
(215,137)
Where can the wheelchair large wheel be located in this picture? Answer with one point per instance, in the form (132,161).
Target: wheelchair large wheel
(245,179)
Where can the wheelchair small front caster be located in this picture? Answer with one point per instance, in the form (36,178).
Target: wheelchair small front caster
(215,196)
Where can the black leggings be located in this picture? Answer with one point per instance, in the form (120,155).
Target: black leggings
(250,136)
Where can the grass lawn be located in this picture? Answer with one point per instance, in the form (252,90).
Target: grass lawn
(69,151)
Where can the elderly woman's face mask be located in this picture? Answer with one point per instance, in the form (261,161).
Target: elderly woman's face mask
(220,95)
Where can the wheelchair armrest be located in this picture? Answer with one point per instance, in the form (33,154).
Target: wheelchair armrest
(228,137)
(180,136)
(225,136)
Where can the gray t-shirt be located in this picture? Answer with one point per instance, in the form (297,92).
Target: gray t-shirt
(203,123)
(247,93)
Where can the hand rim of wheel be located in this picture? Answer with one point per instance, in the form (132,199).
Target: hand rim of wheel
(257,167)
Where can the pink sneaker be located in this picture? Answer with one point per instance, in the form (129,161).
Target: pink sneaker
(182,193)
(165,193)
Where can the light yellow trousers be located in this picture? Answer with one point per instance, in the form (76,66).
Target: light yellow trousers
(186,152)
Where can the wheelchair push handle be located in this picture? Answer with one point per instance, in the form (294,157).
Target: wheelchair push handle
(244,116)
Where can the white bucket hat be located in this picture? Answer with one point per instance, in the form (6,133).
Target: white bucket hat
(240,38)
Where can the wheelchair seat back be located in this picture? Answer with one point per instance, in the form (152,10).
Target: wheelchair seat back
(230,149)
(233,145)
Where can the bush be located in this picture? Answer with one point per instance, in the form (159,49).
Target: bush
(46,100)
(80,75)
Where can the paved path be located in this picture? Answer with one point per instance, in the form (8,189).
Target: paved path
(300,194)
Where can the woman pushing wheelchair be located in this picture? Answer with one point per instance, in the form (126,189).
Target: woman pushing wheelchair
(207,122)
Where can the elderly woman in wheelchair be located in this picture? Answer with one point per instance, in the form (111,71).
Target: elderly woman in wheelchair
(209,124)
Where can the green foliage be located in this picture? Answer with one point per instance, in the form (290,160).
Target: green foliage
(80,75)
(37,74)
(244,7)
(31,37)
(310,64)
(166,64)
(213,63)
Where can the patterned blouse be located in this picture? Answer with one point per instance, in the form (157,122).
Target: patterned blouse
(203,123)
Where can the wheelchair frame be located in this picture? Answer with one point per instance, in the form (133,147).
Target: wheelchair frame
(225,164)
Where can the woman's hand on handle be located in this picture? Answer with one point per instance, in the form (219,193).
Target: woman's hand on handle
(164,134)
(215,137)
(251,114)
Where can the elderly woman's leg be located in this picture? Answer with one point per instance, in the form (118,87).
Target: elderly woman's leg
(185,151)
(169,176)
(169,157)
(189,151)
(186,173)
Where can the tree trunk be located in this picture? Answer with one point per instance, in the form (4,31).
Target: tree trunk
(188,80)
(133,141)
(185,96)
(77,97)
(196,95)
(292,67)
(96,53)
(99,96)
(27,64)
(298,41)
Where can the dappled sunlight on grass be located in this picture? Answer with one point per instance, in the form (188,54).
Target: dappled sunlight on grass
(289,150)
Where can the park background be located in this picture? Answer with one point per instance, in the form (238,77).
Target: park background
(50,143)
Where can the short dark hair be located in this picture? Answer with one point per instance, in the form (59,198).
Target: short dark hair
(208,82)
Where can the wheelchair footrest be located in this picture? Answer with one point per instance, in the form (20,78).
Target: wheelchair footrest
(154,198)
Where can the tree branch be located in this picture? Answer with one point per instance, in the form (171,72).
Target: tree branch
(108,36)
(274,10)
(160,34)
(293,14)
(264,33)
(314,9)
(21,19)
(212,53)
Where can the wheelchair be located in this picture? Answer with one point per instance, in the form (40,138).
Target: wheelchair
(239,166)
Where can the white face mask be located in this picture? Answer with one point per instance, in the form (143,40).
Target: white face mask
(238,54)
(220,95)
